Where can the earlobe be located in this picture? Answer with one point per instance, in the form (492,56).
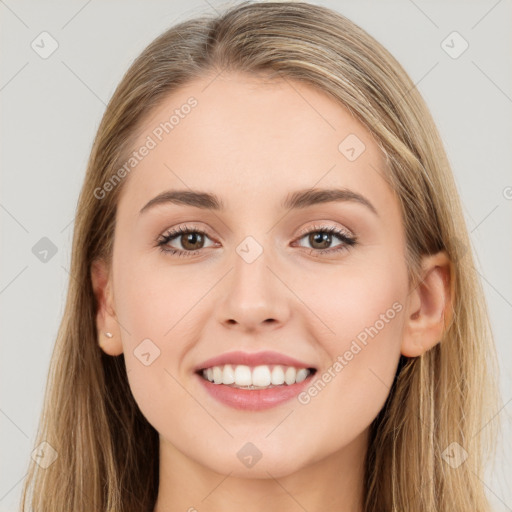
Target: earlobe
(109,344)
(109,335)
(429,310)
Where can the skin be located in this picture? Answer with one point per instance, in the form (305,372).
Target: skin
(252,143)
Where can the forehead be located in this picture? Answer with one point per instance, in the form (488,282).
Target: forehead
(251,141)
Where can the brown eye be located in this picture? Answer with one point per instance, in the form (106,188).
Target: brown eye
(192,241)
(320,240)
(183,241)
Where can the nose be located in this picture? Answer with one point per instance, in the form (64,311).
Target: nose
(254,296)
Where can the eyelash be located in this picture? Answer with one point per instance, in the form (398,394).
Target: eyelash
(348,241)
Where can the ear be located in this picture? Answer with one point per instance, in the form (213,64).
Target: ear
(429,310)
(106,319)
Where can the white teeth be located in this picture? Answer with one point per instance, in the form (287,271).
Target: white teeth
(243,375)
(289,375)
(301,375)
(228,375)
(262,376)
(277,376)
(217,374)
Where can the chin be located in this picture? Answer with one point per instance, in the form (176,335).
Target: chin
(248,462)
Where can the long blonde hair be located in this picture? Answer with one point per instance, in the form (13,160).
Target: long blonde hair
(108,454)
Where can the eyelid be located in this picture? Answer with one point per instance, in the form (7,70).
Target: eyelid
(316,227)
(176,231)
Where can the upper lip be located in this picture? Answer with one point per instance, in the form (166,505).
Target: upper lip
(252,359)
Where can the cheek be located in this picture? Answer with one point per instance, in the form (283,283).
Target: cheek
(151,307)
(356,303)
(365,312)
(154,301)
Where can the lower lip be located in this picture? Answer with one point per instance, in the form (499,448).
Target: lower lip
(255,399)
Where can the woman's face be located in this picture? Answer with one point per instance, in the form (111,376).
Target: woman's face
(259,272)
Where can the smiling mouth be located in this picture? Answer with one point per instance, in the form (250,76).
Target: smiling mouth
(255,377)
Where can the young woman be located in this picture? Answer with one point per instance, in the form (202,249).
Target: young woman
(273,304)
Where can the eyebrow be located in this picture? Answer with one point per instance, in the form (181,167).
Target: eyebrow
(297,200)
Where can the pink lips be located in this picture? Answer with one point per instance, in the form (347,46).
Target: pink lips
(257,399)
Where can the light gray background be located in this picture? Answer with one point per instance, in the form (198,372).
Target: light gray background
(51,109)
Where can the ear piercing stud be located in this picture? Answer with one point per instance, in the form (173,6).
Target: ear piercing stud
(108,334)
